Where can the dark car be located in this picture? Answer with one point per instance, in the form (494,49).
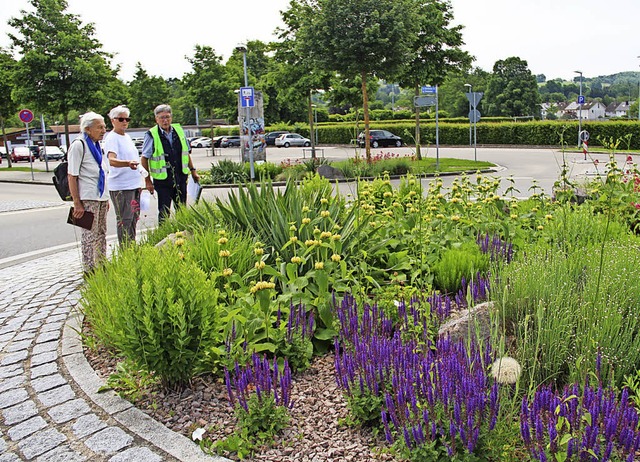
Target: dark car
(270,138)
(380,138)
(229,141)
(216,140)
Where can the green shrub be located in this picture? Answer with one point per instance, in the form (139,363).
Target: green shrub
(228,172)
(163,315)
(457,263)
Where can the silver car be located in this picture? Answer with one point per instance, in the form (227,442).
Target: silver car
(292,139)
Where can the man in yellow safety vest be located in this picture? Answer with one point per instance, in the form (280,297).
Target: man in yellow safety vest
(167,157)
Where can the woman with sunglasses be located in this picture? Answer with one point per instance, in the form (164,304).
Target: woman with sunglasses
(124,179)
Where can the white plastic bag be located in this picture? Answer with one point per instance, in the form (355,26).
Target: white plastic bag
(193,191)
(145,201)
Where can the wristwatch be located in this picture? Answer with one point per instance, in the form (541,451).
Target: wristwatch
(192,169)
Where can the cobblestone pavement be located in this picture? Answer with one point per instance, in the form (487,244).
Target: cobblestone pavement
(50,410)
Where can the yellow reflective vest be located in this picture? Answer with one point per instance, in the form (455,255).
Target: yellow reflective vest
(157,161)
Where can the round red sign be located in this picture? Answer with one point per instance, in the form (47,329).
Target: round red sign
(26,116)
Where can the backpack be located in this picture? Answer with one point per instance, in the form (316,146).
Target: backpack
(61,180)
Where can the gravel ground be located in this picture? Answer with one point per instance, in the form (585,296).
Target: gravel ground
(315,432)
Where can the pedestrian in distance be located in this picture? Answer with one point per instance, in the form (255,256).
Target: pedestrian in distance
(125,182)
(166,155)
(87,173)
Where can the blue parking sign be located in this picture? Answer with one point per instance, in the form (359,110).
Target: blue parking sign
(581,99)
(247,98)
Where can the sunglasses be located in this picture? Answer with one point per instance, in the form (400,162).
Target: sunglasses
(123,119)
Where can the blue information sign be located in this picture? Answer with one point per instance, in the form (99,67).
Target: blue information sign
(427,89)
(581,99)
(247,98)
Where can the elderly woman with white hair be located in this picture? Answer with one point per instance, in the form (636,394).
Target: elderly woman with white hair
(125,182)
(87,173)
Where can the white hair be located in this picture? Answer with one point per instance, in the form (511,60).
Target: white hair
(162,108)
(116,111)
(87,120)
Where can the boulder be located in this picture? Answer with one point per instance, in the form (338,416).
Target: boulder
(469,322)
(330,172)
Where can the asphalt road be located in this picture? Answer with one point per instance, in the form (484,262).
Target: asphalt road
(33,219)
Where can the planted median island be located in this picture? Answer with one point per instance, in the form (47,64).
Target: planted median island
(407,322)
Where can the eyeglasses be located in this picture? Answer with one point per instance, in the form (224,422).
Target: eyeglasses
(164,117)
(123,119)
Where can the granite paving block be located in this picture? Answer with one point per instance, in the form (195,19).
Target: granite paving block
(56,396)
(26,428)
(47,382)
(61,454)
(12,397)
(19,413)
(69,410)
(41,442)
(87,424)
(109,441)
(136,455)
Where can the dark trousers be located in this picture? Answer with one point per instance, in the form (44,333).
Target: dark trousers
(169,191)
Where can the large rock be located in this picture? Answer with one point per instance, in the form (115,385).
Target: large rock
(469,322)
(330,172)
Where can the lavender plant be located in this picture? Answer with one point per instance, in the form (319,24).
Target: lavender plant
(588,424)
(261,396)
(428,392)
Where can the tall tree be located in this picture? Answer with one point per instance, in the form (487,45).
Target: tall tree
(358,38)
(207,86)
(437,51)
(8,105)
(513,90)
(62,66)
(146,93)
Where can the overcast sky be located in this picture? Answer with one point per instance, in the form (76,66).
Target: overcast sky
(555,37)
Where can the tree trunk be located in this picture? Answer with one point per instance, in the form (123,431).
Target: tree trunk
(418,154)
(66,130)
(365,109)
(6,146)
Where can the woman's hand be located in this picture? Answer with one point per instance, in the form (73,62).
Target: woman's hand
(78,209)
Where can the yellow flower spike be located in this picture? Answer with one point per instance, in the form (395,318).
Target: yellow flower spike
(309,242)
(440,196)
(297,260)
(535,209)
(335,257)
(224,253)
(258,251)
(319,265)
(179,233)
(293,228)
(222,232)
(455,217)
(387,194)
(306,221)
(305,209)
(514,215)
(223,240)
(260,265)
(412,182)
(324,200)
(181,256)
(180,242)
(540,227)
(548,217)
(227,272)
(336,237)
(440,216)
(325,214)
(396,204)
(412,193)
(325,235)
(293,239)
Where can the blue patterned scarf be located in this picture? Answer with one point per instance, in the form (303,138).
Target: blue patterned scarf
(96,151)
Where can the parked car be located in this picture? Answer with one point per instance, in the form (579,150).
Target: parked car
(216,140)
(229,141)
(380,138)
(270,138)
(201,142)
(51,153)
(138,142)
(292,139)
(19,153)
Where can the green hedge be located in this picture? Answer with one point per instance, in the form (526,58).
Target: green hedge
(453,132)
(535,133)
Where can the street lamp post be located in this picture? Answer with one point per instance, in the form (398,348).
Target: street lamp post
(579,108)
(247,118)
(469,86)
